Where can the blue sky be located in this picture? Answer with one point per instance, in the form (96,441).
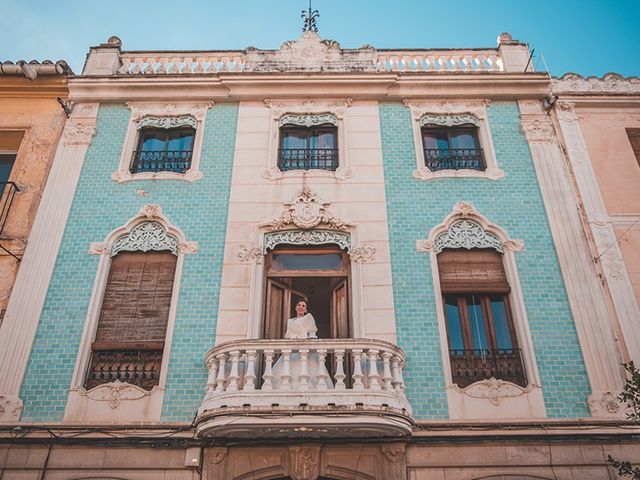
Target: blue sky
(590,37)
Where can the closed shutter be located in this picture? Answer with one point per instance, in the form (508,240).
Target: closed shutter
(472,271)
(137,299)
(634,138)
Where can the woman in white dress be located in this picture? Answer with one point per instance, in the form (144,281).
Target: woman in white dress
(302,326)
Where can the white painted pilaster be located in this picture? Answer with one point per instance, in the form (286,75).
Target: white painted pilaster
(30,289)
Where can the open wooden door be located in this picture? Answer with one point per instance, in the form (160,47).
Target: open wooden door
(281,297)
(340,310)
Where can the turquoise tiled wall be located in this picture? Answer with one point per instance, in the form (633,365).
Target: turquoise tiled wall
(99,206)
(515,203)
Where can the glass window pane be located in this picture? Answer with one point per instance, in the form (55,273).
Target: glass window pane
(153,141)
(294,139)
(329,261)
(463,140)
(501,323)
(454,327)
(435,140)
(6,163)
(180,141)
(322,139)
(476,322)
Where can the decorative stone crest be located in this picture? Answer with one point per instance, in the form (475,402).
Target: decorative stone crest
(448,120)
(310,120)
(494,390)
(447,108)
(604,405)
(306,237)
(168,122)
(538,129)
(464,210)
(145,237)
(79,133)
(249,253)
(115,393)
(304,462)
(169,112)
(466,234)
(214,456)
(307,211)
(363,253)
(393,453)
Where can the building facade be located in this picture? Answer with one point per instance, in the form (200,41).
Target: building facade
(423,205)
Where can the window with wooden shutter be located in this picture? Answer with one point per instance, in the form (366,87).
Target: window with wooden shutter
(480,332)
(133,320)
(634,138)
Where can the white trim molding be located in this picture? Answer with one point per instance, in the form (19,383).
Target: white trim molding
(163,115)
(466,228)
(591,315)
(118,401)
(307,113)
(32,282)
(451,113)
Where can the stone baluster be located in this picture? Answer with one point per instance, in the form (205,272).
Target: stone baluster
(432,62)
(250,375)
(268,373)
(387,377)
(199,65)
(188,65)
(340,376)
(126,65)
(212,365)
(222,363)
(232,385)
(357,370)
(322,378)
(137,65)
(285,378)
(454,60)
(150,62)
(162,67)
(374,377)
(175,65)
(303,378)
(395,372)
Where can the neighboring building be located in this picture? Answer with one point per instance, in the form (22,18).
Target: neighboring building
(419,201)
(31,121)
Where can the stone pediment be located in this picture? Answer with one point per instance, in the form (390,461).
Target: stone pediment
(309,54)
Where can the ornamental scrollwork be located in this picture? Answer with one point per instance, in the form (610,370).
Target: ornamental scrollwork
(168,122)
(449,120)
(538,129)
(115,392)
(306,237)
(311,120)
(307,211)
(78,133)
(494,390)
(363,253)
(145,237)
(466,234)
(393,453)
(305,462)
(249,253)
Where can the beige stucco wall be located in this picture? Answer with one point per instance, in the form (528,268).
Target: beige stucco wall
(618,175)
(358,199)
(29,107)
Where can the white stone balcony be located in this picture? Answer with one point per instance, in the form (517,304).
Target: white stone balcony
(281,388)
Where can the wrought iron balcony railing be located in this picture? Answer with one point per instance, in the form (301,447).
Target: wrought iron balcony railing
(137,366)
(308,159)
(177,161)
(454,159)
(8,191)
(470,366)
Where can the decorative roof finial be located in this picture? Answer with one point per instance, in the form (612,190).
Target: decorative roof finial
(310,20)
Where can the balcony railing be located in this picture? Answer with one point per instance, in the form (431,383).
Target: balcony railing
(454,159)
(308,159)
(319,380)
(8,191)
(470,366)
(139,367)
(177,161)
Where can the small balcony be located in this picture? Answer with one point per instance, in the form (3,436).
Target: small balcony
(337,388)
(307,159)
(470,366)
(177,161)
(454,159)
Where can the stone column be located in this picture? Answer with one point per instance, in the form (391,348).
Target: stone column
(32,282)
(586,297)
(604,236)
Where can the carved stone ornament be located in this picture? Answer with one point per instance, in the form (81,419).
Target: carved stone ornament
(494,390)
(608,84)
(443,108)
(310,120)
(10,408)
(249,253)
(168,122)
(467,234)
(604,404)
(78,133)
(145,237)
(393,453)
(307,211)
(214,456)
(115,393)
(292,108)
(304,462)
(449,120)
(306,237)
(363,253)
(142,110)
(538,129)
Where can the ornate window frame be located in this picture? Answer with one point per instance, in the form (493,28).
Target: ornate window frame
(464,227)
(148,230)
(162,115)
(450,113)
(307,113)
